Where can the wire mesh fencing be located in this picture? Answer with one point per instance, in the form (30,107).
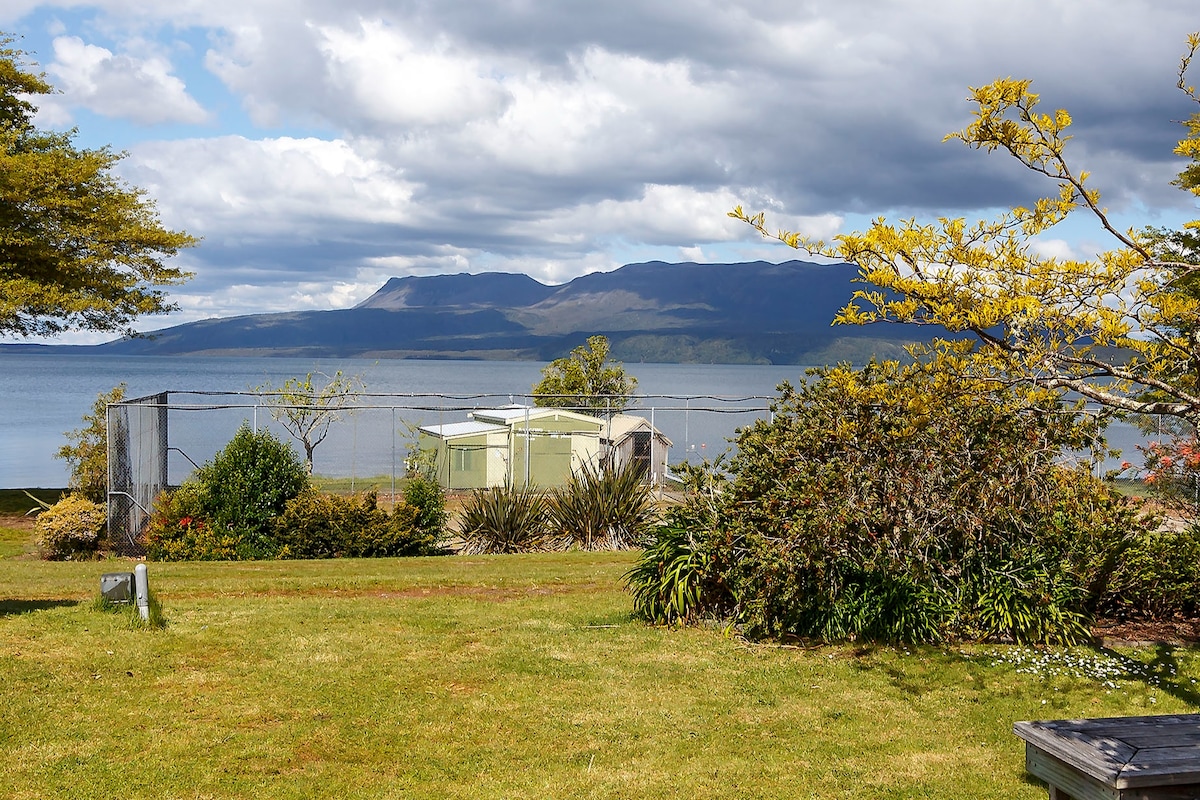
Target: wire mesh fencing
(159,441)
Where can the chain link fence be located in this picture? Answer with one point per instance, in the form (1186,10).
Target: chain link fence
(158,441)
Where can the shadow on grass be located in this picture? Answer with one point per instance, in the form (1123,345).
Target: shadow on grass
(1161,672)
(10,608)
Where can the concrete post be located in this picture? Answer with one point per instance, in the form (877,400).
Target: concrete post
(141,591)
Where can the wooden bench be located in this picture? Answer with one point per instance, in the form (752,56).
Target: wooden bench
(1122,758)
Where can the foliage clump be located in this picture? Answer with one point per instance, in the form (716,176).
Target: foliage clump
(598,508)
(228,511)
(602,508)
(1158,577)
(180,529)
(890,503)
(427,496)
(81,249)
(253,500)
(586,381)
(318,525)
(248,484)
(72,528)
(504,520)
(668,579)
(86,452)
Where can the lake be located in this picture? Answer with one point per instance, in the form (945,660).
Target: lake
(43,396)
(698,406)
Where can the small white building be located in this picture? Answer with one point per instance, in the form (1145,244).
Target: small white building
(532,446)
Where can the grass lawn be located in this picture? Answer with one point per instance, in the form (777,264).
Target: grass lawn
(510,676)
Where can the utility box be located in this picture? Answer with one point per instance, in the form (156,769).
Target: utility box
(117,587)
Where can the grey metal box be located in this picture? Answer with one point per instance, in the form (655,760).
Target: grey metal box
(117,587)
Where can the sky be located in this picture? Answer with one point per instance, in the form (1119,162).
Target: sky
(320,147)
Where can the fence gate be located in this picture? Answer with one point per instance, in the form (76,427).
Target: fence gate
(137,468)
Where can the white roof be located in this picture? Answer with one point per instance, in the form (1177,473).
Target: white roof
(624,424)
(510,414)
(468,428)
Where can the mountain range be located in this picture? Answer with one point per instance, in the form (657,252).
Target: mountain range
(753,312)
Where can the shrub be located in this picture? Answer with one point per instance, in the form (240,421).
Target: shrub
(179,531)
(227,512)
(71,528)
(504,520)
(247,485)
(426,495)
(318,525)
(399,535)
(1158,577)
(666,581)
(603,508)
(887,504)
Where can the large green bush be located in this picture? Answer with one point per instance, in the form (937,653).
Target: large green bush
(318,525)
(889,504)
(228,511)
(249,483)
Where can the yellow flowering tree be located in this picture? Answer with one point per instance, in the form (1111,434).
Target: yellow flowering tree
(1121,329)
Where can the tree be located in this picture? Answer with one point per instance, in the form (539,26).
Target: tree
(586,380)
(306,411)
(888,503)
(79,248)
(1122,329)
(87,449)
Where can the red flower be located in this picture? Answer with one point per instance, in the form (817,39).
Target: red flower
(183,523)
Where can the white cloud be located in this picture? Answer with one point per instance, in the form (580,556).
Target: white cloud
(139,89)
(246,189)
(386,78)
(553,139)
(1053,248)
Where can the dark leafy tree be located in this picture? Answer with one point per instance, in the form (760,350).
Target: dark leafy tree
(79,248)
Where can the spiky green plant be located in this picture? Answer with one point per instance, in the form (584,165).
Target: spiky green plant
(504,520)
(666,581)
(602,508)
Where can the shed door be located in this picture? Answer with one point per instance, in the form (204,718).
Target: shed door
(641,451)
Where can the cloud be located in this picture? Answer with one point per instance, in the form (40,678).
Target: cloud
(139,89)
(387,79)
(324,145)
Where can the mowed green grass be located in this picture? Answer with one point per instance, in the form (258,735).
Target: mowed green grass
(496,677)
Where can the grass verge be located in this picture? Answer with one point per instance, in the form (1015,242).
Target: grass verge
(505,676)
(16,501)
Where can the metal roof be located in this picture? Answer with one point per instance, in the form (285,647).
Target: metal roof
(624,424)
(510,414)
(468,428)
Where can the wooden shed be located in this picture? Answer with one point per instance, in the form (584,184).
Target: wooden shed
(628,438)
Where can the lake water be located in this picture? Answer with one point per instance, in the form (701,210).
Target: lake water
(697,406)
(42,396)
